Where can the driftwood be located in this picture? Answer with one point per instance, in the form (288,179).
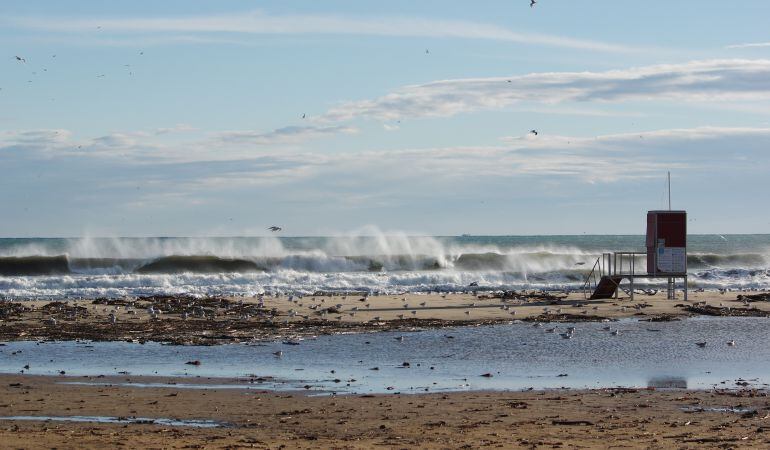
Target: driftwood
(762,297)
(708,310)
(572,422)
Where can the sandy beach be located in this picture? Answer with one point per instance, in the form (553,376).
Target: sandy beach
(735,416)
(187,320)
(608,418)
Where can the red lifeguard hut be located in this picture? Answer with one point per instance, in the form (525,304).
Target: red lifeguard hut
(667,247)
(666,256)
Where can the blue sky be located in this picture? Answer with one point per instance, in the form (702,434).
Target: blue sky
(186,117)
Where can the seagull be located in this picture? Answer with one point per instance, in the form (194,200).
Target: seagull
(731,343)
(274,228)
(700,344)
(532,3)
(533,132)
(278,353)
(303,115)
(615,332)
(20,59)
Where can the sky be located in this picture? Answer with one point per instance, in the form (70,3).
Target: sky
(197,118)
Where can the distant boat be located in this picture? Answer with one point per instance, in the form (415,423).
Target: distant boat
(465,235)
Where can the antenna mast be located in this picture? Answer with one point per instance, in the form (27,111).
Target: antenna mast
(669,191)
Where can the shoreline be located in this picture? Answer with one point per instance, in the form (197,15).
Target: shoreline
(636,418)
(182,320)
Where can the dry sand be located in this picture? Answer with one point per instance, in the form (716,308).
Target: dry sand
(548,419)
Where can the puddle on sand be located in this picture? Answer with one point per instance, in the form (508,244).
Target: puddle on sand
(194,423)
(502,357)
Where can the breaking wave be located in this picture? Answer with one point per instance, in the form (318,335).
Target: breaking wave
(374,262)
(523,262)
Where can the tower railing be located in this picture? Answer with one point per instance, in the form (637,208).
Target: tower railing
(602,266)
(619,264)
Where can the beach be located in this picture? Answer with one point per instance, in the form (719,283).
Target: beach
(189,320)
(607,418)
(194,411)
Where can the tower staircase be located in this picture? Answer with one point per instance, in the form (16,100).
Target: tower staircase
(609,270)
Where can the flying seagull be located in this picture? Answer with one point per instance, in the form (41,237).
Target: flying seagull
(532,3)
(303,115)
(19,58)
(533,132)
(274,228)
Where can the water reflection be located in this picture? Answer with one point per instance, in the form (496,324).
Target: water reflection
(517,356)
(667,383)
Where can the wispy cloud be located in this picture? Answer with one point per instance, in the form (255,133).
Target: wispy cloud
(260,23)
(285,135)
(604,158)
(362,182)
(731,79)
(178,128)
(151,147)
(750,45)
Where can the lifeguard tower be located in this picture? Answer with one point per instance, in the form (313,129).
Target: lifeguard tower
(666,257)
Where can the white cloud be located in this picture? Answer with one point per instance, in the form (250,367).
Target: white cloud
(709,80)
(260,23)
(35,137)
(605,158)
(285,135)
(750,45)
(152,147)
(178,128)
(600,159)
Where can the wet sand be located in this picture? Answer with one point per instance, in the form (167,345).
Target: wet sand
(185,320)
(547,419)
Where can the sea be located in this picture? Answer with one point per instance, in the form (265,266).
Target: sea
(61,268)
